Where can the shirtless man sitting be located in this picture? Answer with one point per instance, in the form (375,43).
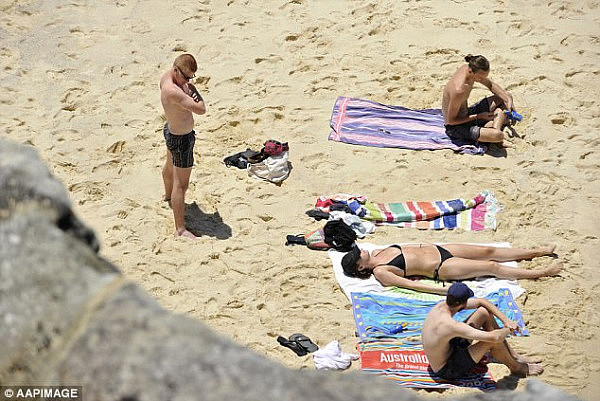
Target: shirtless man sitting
(482,121)
(453,348)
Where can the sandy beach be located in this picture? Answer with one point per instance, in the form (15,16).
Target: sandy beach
(80,84)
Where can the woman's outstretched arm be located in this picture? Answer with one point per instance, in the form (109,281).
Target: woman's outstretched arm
(389,278)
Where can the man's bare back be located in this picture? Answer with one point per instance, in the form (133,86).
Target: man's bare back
(436,334)
(458,89)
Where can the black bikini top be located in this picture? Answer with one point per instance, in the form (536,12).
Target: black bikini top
(398,261)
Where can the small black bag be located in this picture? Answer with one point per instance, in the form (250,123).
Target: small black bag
(339,235)
(240,160)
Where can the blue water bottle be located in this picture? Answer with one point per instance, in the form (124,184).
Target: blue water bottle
(513,115)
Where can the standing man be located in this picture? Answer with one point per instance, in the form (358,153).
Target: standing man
(482,121)
(179,99)
(453,348)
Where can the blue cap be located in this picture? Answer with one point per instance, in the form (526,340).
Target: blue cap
(460,291)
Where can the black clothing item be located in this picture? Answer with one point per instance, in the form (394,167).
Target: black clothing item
(471,129)
(339,235)
(459,362)
(181,147)
(241,159)
(398,261)
(317,214)
(444,255)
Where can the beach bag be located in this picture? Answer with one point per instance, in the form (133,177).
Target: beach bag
(240,159)
(339,235)
(273,168)
(316,240)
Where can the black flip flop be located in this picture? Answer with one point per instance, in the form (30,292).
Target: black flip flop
(304,342)
(295,239)
(293,345)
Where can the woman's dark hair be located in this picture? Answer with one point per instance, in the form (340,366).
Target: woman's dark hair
(350,264)
(477,63)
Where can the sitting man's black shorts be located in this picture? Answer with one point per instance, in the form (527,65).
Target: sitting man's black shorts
(470,130)
(459,362)
(181,147)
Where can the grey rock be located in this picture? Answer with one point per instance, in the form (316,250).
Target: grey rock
(46,280)
(26,184)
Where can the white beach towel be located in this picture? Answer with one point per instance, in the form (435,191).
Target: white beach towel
(480,286)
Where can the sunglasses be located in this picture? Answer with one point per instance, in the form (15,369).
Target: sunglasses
(185,76)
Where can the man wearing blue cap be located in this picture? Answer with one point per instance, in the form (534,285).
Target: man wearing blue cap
(453,348)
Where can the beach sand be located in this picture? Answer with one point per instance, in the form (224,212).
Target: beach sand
(80,84)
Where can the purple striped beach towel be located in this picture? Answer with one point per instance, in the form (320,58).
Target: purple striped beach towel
(368,123)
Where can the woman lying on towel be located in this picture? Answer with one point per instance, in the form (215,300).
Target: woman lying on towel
(393,265)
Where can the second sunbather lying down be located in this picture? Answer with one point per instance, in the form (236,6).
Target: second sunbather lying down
(393,265)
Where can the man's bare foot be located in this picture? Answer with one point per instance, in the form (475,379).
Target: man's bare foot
(185,233)
(534,369)
(528,369)
(168,200)
(553,269)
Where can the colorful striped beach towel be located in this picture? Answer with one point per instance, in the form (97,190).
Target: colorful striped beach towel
(474,214)
(368,123)
(407,365)
(379,316)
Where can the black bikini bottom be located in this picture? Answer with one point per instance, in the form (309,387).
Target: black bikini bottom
(444,255)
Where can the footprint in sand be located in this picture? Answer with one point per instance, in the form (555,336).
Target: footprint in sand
(562,118)
(71,99)
(116,147)
(88,190)
(271,58)
(108,166)
(319,160)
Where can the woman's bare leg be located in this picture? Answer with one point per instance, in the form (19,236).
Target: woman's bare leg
(498,254)
(460,269)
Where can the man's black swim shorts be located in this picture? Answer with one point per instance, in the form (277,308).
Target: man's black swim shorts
(459,362)
(470,130)
(181,147)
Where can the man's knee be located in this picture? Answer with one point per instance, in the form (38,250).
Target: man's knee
(498,135)
(495,102)
(180,186)
(479,318)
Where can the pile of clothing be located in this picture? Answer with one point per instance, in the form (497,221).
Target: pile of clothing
(270,163)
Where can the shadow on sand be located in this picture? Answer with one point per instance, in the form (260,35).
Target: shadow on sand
(202,224)
(497,151)
(509,382)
